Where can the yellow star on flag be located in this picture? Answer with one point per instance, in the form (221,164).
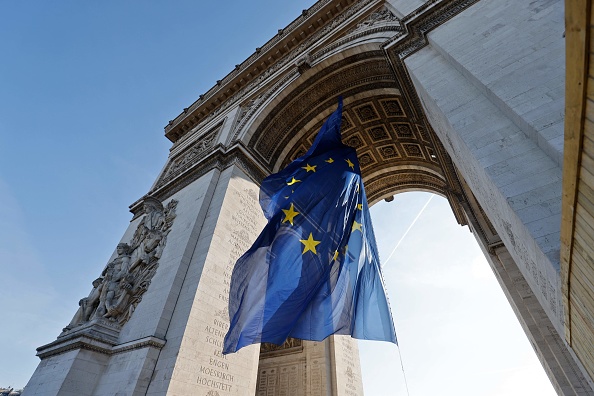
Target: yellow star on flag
(351,165)
(335,255)
(329,160)
(360,206)
(310,244)
(309,167)
(290,214)
(293,181)
(356,226)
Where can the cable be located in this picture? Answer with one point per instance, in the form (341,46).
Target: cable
(403,373)
(388,259)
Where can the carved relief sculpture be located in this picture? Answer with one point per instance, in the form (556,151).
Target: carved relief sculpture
(124,280)
(289,343)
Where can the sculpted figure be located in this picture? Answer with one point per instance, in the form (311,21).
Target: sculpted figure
(87,305)
(149,232)
(120,305)
(127,277)
(154,213)
(113,274)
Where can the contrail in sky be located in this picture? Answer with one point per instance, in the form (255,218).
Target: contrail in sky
(407,230)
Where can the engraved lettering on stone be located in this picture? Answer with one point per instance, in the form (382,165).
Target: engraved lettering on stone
(119,290)
(219,353)
(271,385)
(553,300)
(262,380)
(316,379)
(284,382)
(213,383)
(216,373)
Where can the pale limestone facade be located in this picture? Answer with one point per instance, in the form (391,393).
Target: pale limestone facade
(435,99)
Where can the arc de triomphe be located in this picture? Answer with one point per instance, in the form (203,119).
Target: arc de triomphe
(462,98)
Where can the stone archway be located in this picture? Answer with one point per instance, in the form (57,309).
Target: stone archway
(398,151)
(422,112)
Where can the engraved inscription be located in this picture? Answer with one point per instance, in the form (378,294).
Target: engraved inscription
(218,372)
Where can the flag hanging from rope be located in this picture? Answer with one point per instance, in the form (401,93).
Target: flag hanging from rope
(314,270)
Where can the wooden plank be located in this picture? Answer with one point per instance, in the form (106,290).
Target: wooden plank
(586,176)
(589,130)
(586,334)
(583,298)
(580,291)
(586,296)
(577,47)
(583,337)
(585,226)
(585,270)
(587,191)
(583,208)
(583,248)
(587,161)
(583,344)
(584,262)
(589,125)
(589,92)
(586,327)
(582,229)
(588,144)
(585,221)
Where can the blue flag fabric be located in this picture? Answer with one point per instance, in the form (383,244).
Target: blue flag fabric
(314,270)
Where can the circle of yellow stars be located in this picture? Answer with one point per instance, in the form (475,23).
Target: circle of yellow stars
(309,244)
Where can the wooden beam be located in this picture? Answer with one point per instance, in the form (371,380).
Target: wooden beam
(577,42)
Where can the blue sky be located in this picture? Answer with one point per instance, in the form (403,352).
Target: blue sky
(86,88)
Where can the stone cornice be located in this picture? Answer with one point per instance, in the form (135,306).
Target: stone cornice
(96,344)
(291,42)
(421,21)
(220,158)
(286,46)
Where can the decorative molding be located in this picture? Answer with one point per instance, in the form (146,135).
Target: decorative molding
(188,120)
(379,17)
(422,20)
(379,21)
(416,26)
(291,345)
(359,71)
(219,158)
(96,344)
(189,156)
(253,106)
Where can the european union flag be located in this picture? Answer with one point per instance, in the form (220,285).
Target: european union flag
(314,270)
